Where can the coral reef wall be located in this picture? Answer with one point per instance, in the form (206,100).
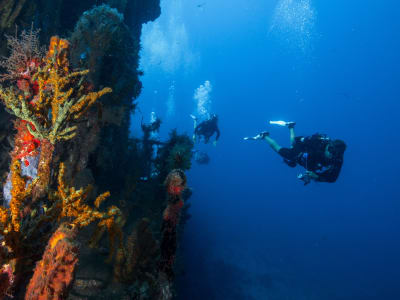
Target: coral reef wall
(111,52)
(101,41)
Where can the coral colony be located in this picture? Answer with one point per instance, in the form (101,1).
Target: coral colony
(46,217)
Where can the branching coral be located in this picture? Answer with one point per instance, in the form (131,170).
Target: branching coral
(25,55)
(61,97)
(176,153)
(48,99)
(10,218)
(73,206)
(72,202)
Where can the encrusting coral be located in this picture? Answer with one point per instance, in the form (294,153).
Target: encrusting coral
(55,272)
(175,184)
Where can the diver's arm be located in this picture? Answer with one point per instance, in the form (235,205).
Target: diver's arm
(218,134)
(292,136)
(311,175)
(198,128)
(331,174)
(194,121)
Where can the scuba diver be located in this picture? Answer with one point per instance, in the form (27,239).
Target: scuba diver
(206,129)
(151,143)
(318,154)
(201,157)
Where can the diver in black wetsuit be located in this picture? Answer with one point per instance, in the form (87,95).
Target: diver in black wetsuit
(206,129)
(150,145)
(318,154)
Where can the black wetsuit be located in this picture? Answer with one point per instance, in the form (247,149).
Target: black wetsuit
(207,129)
(309,152)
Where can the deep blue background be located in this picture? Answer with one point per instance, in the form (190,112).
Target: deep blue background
(256,231)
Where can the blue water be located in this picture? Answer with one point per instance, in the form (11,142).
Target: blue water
(333,67)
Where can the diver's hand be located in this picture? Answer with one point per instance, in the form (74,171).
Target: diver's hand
(215,143)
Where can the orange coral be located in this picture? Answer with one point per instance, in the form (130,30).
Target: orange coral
(81,107)
(72,203)
(3,215)
(58,49)
(72,206)
(55,238)
(17,193)
(55,272)
(101,198)
(175,182)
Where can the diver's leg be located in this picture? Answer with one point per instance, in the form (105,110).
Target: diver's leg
(194,127)
(292,136)
(194,121)
(274,145)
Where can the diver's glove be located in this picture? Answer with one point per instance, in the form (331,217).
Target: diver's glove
(306,178)
(215,143)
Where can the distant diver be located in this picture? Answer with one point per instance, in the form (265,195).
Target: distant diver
(201,157)
(318,154)
(153,127)
(206,129)
(151,143)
